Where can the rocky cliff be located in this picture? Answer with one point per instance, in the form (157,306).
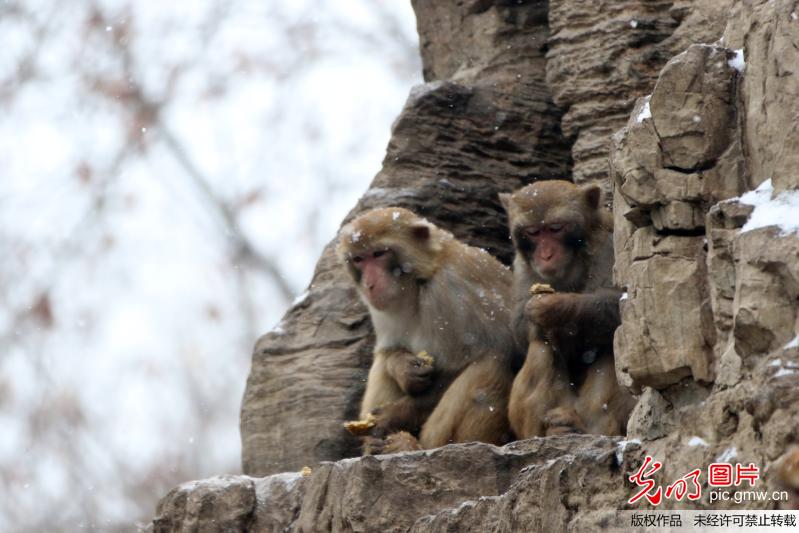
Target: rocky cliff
(678,109)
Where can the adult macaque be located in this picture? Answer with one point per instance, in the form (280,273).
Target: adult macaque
(428,293)
(566,311)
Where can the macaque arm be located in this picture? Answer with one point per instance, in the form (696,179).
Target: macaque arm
(411,372)
(381,388)
(597,315)
(407,413)
(592,317)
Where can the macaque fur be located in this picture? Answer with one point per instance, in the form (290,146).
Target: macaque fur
(563,238)
(426,291)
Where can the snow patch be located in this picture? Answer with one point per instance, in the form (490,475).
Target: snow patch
(781,210)
(727,455)
(697,441)
(645,112)
(633,23)
(784,372)
(793,344)
(737,62)
(623,297)
(299,299)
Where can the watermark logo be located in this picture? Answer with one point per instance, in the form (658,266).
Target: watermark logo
(686,487)
(689,486)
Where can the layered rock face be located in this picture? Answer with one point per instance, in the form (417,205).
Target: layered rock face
(709,320)
(678,109)
(605,53)
(471,487)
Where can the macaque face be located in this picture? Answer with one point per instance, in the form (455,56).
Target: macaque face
(550,221)
(552,248)
(380,277)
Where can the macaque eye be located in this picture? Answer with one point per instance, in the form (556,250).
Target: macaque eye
(379,253)
(556,228)
(357,259)
(532,232)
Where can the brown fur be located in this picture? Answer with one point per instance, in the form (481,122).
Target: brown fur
(453,304)
(788,478)
(788,469)
(568,381)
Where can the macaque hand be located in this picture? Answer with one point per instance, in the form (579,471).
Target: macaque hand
(553,310)
(414,374)
(395,416)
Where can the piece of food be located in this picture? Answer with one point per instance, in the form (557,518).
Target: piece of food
(361,427)
(306,471)
(427,359)
(541,288)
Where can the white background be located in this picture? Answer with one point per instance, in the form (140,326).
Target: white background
(169,173)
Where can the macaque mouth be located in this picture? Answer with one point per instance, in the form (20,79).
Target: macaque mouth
(548,272)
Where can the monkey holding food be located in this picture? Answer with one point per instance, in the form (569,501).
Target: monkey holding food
(442,321)
(564,252)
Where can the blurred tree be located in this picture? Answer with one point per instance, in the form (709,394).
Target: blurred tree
(170,172)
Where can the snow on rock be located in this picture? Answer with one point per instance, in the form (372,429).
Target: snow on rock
(300,298)
(737,62)
(645,112)
(697,441)
(727,455)
(781,210)
(761,194)
(622,446)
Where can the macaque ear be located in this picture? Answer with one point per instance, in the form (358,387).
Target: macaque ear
(504,199)
(593,196)
(420,232)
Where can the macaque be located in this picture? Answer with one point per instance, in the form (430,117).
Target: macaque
(788,478)
(566,312)
(440,310)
